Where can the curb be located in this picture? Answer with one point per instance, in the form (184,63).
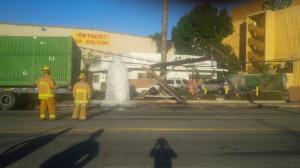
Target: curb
(280,104)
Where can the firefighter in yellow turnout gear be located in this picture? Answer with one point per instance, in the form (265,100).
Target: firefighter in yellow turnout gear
(82,95)
(46,89)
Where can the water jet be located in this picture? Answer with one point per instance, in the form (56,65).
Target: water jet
(117,92)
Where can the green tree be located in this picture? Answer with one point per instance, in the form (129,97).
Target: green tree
(157,38)
(224,23)
(212,25)
(231,61)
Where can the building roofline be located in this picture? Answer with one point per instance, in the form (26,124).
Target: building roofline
(70,27)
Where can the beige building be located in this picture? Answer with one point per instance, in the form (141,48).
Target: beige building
(268,32)
(108,42)
(91,38)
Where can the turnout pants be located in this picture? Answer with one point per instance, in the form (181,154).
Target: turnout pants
(79,111)
(50,105)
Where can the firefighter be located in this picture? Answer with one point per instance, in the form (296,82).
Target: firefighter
(82,95)
(46,89)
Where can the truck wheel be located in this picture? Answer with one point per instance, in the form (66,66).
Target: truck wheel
(7,100)
(153,91)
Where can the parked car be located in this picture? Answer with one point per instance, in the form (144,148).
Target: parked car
(172,82)
(215,85)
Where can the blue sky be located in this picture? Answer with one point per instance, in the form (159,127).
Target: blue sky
(136,17)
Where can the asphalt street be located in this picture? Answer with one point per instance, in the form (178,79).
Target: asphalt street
(144,135)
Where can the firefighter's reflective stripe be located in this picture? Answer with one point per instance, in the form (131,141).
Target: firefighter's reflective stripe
(42,116)
(81,96)
(52,117)
(44,90)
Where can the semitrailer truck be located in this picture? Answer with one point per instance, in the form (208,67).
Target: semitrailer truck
(21,62)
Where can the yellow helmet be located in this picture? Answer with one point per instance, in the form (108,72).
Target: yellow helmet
(46,68)
(82,76)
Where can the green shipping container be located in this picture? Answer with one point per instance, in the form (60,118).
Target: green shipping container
(22,59)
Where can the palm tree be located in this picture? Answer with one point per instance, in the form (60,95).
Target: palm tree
(164,35)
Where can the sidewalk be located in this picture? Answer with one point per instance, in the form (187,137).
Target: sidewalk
(231,103)
(258,103)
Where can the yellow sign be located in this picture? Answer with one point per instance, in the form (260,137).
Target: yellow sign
(98,39)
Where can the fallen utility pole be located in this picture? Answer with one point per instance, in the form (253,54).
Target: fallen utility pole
(164,86)
(169,70)
(162,83)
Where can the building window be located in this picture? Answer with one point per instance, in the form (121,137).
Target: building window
(142,75)
(96,78)
(287,67)
(145,76)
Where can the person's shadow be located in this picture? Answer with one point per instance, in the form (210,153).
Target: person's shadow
(162,154)
(24,148)
(77,155)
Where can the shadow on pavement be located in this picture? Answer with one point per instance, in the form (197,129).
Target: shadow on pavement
(162,154)
(292,152)
(77,155)
(63,116)
(261,106)
(266,153)
(22,149)
(285,130)
(93,115)
(289,111)
(273,107)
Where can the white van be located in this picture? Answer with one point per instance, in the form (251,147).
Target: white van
(172,82)
(177,82)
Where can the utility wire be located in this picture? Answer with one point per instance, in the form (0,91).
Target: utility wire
(118,54)
(218,51)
